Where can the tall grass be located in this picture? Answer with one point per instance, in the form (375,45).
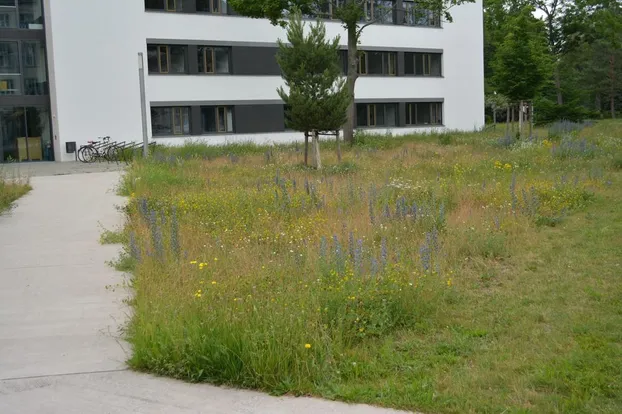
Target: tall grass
(368,281)
(11,190)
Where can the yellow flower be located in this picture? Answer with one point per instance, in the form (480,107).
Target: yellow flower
(213,282)
(193,262)
(215,259)
(198,294)
(507,166)
(308,346)
(448,282)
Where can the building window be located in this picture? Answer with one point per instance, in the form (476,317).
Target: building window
(170,121)
(215,119)
(9,62)
(213,59)
(166,59)
(5,20)
(423,64)
(165,5)
(30,14)
(424,113)
(380,11)
(210,6)
(33,64)
(8,14)
(377,63)
(415,15)
(376,115)
(9,85)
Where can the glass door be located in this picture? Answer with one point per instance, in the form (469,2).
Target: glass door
(25,134)
(12,133)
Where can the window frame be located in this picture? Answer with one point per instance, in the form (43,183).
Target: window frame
(363,63)
(176,121)
(211,10)
(388,63)
(168,57)
(168,5)
(435,112)
(369,116)
(427,58)
(216,110)
(213,56)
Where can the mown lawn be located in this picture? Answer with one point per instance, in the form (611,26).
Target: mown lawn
(11,190)
(454,273)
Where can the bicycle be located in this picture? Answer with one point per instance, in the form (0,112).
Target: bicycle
(93,150)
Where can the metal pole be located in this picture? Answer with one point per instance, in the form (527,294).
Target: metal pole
(143,104)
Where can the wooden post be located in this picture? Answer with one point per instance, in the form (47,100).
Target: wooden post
(520,118)
(530,118)
(306,147)
(338,146)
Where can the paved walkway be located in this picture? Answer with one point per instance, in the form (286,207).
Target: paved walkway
(61,308)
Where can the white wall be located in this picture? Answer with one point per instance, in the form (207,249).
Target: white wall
(95,45)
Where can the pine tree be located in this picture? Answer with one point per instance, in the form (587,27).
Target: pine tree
(315,94)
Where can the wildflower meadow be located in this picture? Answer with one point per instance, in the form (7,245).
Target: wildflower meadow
(462,272)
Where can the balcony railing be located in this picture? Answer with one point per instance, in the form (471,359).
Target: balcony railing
(398,12)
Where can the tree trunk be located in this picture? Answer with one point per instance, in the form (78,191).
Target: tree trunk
(512,118)
(494,115)
(338,146)
(520,118)
(507,120)
(306,148)
(315,151)
(598,104)
(612,76)
(348,128)
(558,86)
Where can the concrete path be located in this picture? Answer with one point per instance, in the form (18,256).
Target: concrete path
(61,308)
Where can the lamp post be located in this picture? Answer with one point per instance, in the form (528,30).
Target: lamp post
(143,103)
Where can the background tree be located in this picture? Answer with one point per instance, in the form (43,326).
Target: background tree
(522,63)
(354,17)
(316,95)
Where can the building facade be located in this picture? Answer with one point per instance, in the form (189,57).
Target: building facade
(25,122)
(212,76)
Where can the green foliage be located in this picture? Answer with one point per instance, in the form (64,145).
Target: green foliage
(112,237)
(315,94)
(522,64)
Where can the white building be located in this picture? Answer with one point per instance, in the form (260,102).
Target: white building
(211,75)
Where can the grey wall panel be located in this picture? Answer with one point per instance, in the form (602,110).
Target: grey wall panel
(258,118)
(193,63)
(196,128)
(401,114)
(254,61)
(24,100)
(21,34)
(400,63)
(189,6)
